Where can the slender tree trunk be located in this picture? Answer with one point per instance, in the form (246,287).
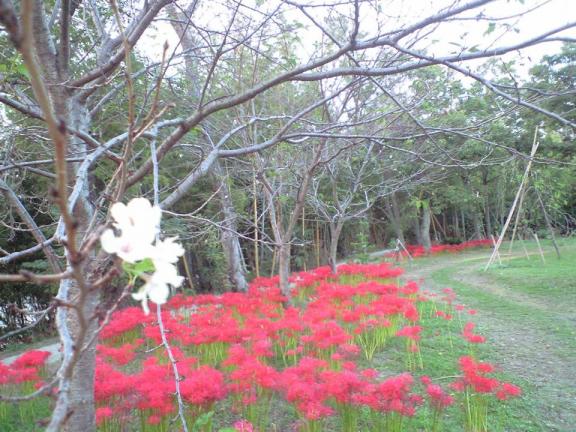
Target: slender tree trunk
(395,218)
(229,235)
(487,219)
(284,253)
(81,396)
(425,227)
(456,222)
(416,228)
(477,222)
(82,404)
(335,231)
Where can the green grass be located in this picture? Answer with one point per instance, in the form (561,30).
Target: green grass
(552,281)
(533,299)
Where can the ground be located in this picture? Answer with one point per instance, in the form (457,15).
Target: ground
(527,310)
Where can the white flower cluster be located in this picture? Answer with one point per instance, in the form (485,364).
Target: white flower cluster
(135,240)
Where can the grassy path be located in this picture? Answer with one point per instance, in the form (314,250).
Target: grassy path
(527,311)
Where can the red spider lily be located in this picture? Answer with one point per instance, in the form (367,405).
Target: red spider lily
(302,385)
(437,397)
(31,359)
(475,376)
(343,386)
(121,355)
(470,336)
(391,395)
(123,321)
(103,413)
(444,315)
(410,332)
(375,271)
(203,386)
(327,335)
(243,426)
(247,330)
(507,391)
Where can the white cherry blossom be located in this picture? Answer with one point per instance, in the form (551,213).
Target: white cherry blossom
(156,287)
(138,224)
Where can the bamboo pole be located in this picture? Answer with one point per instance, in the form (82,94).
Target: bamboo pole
(525,250)
(317,246)
(535,145)
(548,223)
(494,244)
(517,220)
(188,273)
(539,247)
(399,243)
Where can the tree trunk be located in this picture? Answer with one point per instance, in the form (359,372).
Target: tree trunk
(229,235)
(394,216)
(81,395)
(284,253)
(425,227)
(456,227)
(416,228)
(488,219)
(81,399)
(477,222)
(335,231)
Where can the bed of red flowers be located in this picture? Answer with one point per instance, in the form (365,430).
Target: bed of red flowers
(417,251)
(249,361)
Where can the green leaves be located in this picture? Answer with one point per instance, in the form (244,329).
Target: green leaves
(138,269)
(491,28)
(204,423)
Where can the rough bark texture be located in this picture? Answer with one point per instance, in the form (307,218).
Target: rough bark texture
(81,397)
(425,227)
(477,221)
(82,405)
(284,253)
(393,213)
(236,268)
(417,230)
(335,231)
(487,219)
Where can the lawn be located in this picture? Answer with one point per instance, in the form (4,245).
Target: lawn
(527,308)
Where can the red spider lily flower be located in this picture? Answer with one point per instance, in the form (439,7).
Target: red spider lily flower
(124,320)
(391,395)
(342,385)
(243,426)
(121,355)
(102,414)
(507,391)
(475,376)
(203,386)
(437,397)
(470,336)
(31,359)
(410,332)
